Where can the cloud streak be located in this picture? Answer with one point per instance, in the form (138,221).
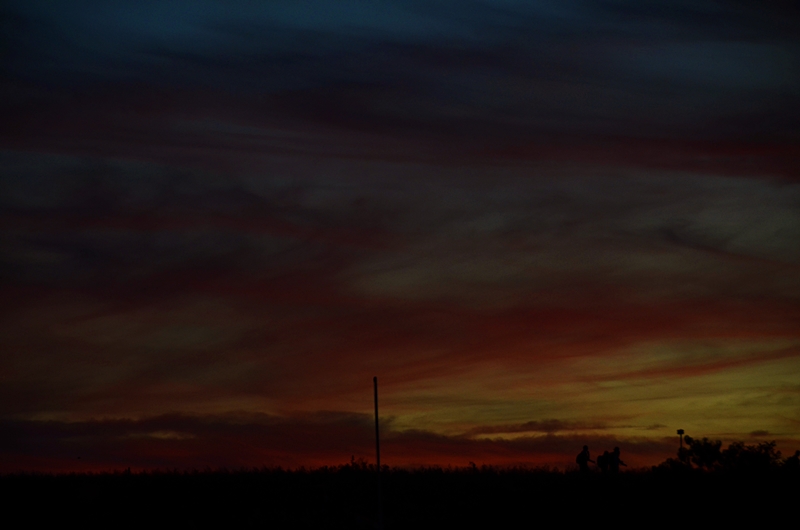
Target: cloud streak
(256,440)
(545,426)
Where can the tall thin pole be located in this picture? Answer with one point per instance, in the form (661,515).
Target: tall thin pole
(377,432)
(378,454)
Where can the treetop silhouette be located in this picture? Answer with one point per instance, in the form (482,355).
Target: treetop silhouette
(708,455)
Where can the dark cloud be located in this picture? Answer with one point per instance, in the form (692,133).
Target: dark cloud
(481,69)
(247,440)
(234,440)
(544,426)
(149,286)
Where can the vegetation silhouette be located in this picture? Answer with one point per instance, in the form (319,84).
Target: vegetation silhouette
(708,455)
(703,484)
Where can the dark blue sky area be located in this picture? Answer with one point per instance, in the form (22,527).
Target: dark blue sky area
(484,68)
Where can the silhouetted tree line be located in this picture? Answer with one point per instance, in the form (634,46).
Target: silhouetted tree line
(708,455)
(468,497)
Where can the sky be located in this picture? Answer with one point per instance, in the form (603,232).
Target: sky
(540,224)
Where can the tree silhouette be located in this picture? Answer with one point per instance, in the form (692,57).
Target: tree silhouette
(761,457)
(792,464)
(704,454)
(708,455)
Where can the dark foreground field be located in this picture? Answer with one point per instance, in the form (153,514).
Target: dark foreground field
(346,497)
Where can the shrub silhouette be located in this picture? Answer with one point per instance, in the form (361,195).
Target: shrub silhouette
(708,455)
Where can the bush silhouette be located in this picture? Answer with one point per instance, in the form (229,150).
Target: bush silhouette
(708,455)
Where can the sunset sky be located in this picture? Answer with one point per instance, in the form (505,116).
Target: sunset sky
(540,224)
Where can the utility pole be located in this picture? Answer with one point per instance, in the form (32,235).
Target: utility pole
(680,433)
(378,454)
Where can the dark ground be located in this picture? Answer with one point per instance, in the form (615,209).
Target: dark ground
(346,497)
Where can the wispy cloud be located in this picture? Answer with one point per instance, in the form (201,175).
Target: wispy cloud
(544,426)
(255,440)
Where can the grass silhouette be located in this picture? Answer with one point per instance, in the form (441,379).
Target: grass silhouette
(345,497)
